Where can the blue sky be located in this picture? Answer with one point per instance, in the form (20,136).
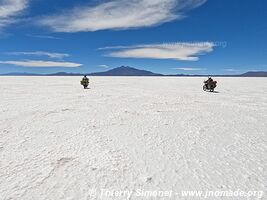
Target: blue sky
(165,36)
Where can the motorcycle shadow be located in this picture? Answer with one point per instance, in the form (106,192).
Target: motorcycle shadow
(212,91)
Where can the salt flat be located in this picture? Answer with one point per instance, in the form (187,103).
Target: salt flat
(59,141)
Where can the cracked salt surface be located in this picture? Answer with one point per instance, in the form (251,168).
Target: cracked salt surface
(58,141)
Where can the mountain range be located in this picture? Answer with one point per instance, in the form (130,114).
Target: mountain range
(130,71)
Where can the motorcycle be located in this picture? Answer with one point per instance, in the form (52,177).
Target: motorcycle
(85,82)
(209,86)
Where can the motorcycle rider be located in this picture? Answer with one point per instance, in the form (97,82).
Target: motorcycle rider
(85,82)
(209,81)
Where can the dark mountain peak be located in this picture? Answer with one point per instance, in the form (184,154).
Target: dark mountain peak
(125,71)
(125,67)
(255,74)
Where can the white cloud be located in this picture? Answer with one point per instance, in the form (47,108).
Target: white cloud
(103,66)
(41,63)
(232,70)
(190,69)
(9,9)
(175,51)
(44,37)
(242,70)
(41,53)
(119,14)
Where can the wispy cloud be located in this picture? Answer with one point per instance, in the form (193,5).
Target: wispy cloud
(242,70)
(9,9)
(40,63)
(232,70)
(103,66)
(119,14)
(41,53)
(44,37)
(175,51)
(190,69)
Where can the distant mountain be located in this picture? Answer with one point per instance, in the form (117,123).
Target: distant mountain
(130,71)
(119,71)
(64,74)
(125,71)
(19,74)
(31,74)
(254,74)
